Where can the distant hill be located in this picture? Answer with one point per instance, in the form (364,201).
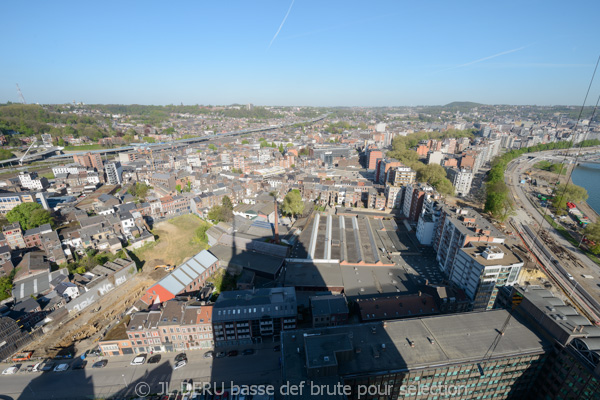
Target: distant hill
(463,104)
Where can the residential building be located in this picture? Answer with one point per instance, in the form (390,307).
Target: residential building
(252,316)
(32,182)
(456,228)
(401,176)
(481,269)
(13,234)
(114,173)
(89,160)
(461,179)
(373,154)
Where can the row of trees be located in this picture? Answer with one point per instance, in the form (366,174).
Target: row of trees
(435,175)
(497,201)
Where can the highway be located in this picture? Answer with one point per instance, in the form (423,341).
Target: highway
(165,145)
(527,221)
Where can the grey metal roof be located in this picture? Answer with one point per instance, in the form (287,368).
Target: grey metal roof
(187,272)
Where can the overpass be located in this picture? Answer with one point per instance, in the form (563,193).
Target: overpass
(158,146)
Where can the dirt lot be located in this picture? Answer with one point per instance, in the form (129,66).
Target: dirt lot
(83,332)
(175,242)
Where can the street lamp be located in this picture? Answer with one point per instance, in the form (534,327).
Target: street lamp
(582,237)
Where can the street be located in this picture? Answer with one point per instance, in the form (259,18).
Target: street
(529,215)
(121,379)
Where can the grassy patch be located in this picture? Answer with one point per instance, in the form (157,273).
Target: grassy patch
(176,241)
(556,168)
(222,281)
(564,233)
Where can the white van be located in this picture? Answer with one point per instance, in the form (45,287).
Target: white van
(139,360)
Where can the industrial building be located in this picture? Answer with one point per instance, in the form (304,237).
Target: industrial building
(478,353)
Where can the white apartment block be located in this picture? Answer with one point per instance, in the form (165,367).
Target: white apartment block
(480,269)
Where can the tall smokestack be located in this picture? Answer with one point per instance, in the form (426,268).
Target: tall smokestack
(276,238)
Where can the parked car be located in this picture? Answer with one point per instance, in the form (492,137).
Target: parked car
(232,353)
(154,359)
(220,354)
(10,370)
(61,367)
(248,352)
(47,366)
(180,357)
(139,360)
(180,364)
(29,368)
(100,364)
(36,367)
(209,354)
(79,364)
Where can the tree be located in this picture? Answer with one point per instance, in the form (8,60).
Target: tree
(292,203)
(245,141)
(568,193)
(178,188)
(222,213)
(30,215)
(227,203)
(592,232)
(212,146)
(281,150)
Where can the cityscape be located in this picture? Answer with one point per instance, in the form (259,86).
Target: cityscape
(263,247)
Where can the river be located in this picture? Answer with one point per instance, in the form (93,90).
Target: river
(588,176)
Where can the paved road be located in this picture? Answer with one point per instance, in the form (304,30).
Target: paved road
(530,215)
(120,378)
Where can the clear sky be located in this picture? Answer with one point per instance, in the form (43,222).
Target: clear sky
(324,53)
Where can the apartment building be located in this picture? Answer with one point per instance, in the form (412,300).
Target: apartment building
(252,316)
(89,160)
(14,236)
(178,326)
(114,173)
(414,196)
(457,227)
(32,182)
(481,269)
(400,176)
(461,179)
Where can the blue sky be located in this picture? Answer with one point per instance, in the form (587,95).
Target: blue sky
(327,53)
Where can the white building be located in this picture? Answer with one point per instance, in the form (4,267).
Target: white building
(67,169)
(114,173)
(435,157)
(31,182)
(480,269)
(461,179)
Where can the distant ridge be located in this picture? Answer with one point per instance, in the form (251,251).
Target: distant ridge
(463,104)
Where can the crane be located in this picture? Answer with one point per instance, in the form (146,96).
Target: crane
(21,94)
(516,300)
(29,148)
